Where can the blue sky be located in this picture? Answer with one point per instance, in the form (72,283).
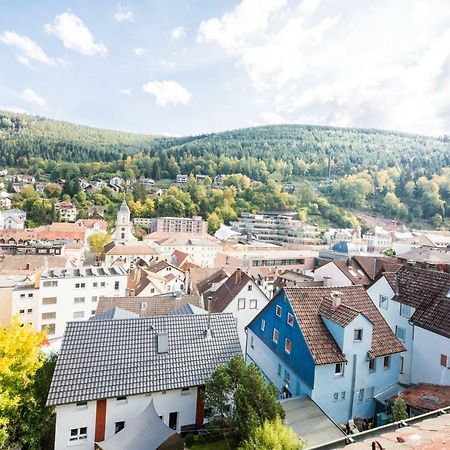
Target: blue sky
(187,67)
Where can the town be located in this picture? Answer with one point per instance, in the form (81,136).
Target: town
(343,323)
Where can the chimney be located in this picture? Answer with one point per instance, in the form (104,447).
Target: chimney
(208,323)
(335,299)
(328,282)
(238,275)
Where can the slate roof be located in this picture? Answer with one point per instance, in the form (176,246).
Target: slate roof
(156,306)
(114,314)
(428,254)
(427,291)
(310,303)
(188,308)
(109,358)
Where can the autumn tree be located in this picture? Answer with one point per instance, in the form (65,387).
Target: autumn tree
(97,242)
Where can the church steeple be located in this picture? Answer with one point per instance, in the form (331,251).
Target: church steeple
(124,228)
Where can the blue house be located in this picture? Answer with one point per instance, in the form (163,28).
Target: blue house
(330,344)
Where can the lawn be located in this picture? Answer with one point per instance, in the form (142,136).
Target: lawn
(216,445)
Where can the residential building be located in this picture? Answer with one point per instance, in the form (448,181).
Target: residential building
(127,254)
(200,178)
(5,200)
(276,228)
(28,264)
(67,211)
(96,212)
(203,248)
(34,248)
(51,299)
(123,232)
(416,304)
(428,257)
(182,179)
(12,219)
(242,297)
(94,225)
(332,346)
(250,260)
(378,239)
(116,182)
(109,371)
(188,225)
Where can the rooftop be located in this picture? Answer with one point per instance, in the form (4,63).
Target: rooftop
(427,254)
(426,397)
(110,358)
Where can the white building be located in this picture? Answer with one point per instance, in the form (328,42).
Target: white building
(55,297)
(12,219)
(126,254)
(242,297)
(109,371)
(416,304)
(5,201)
(124,228)
(67,211)
(378,239)
(182,179)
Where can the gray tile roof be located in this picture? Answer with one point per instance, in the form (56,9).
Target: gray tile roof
(110,358)
(114,313)
(188,308)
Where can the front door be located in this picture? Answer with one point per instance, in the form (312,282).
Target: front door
(173,419)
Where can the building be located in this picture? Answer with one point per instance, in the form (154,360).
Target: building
(182,179)
(51,299)
(93,226)
(12,219)
(5,200)
(108,372)
(428,257)
(332,346)
(203,248)
(250,260)
(28,264)
(123,233)
(416,304)
(343,250)
(126,254)
(378,239)
(242,297)
(67,211)
(188,225)
(276,228)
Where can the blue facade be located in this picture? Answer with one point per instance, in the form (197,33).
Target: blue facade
(299,359)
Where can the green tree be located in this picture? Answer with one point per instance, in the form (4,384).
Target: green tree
(97,242)
(272,435)
(239,395)
(214,222)
(399,409)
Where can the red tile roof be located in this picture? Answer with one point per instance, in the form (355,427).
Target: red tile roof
(427,397)
(309,304)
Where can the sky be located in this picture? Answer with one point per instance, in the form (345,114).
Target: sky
(179,67)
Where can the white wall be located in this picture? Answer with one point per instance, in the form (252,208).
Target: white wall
(246,315)
(70,416)
(331,270)
(426,367)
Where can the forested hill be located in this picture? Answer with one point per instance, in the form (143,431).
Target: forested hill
(353,150)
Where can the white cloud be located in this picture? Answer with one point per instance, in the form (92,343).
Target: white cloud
(123,14)
(139,51)
(33,97)
(167,64)
(356,65)
(16,109)
(168,92)
(28,49)
(126,91)
(74,35)
(178,33)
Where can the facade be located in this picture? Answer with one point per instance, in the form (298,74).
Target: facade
(5,201)
(126,254)
(332,346)
(67,211)
(182,179)
(188,225)
(12,219)
(276,228)
(53,298)
(378,239)
(124,227)
(416,304)
(109,371)
(242,297)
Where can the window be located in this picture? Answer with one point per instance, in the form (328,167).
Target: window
(48,315)
(80,285)
(444,360)
(79,300)
(253,303)
(94,298)
(400,333)
(49,300)
(249,287)
(78,314)
(81,404)
(402,364)
(278,311)
(241,303)
(102,284)
(339,369)
(21,311)
(287,346)
(405,310)
(152,290)
(95,284)
(50,327)
(78,434)
(287,376)
(30,295)
(116,285)
(279,370)
(343,395)
(263,324)
(384,301)
(369,393)
(335,396)
(252,343)
(52,283)
(387,362)
(290,319)
(372,365)
(357,335)
(119,426)
(275,335)
(29,310)
(361,395)
(121,398)
(22,295)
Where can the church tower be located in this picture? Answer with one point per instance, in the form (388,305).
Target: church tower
(124,228)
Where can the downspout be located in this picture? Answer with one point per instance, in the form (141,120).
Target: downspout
(352,399)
